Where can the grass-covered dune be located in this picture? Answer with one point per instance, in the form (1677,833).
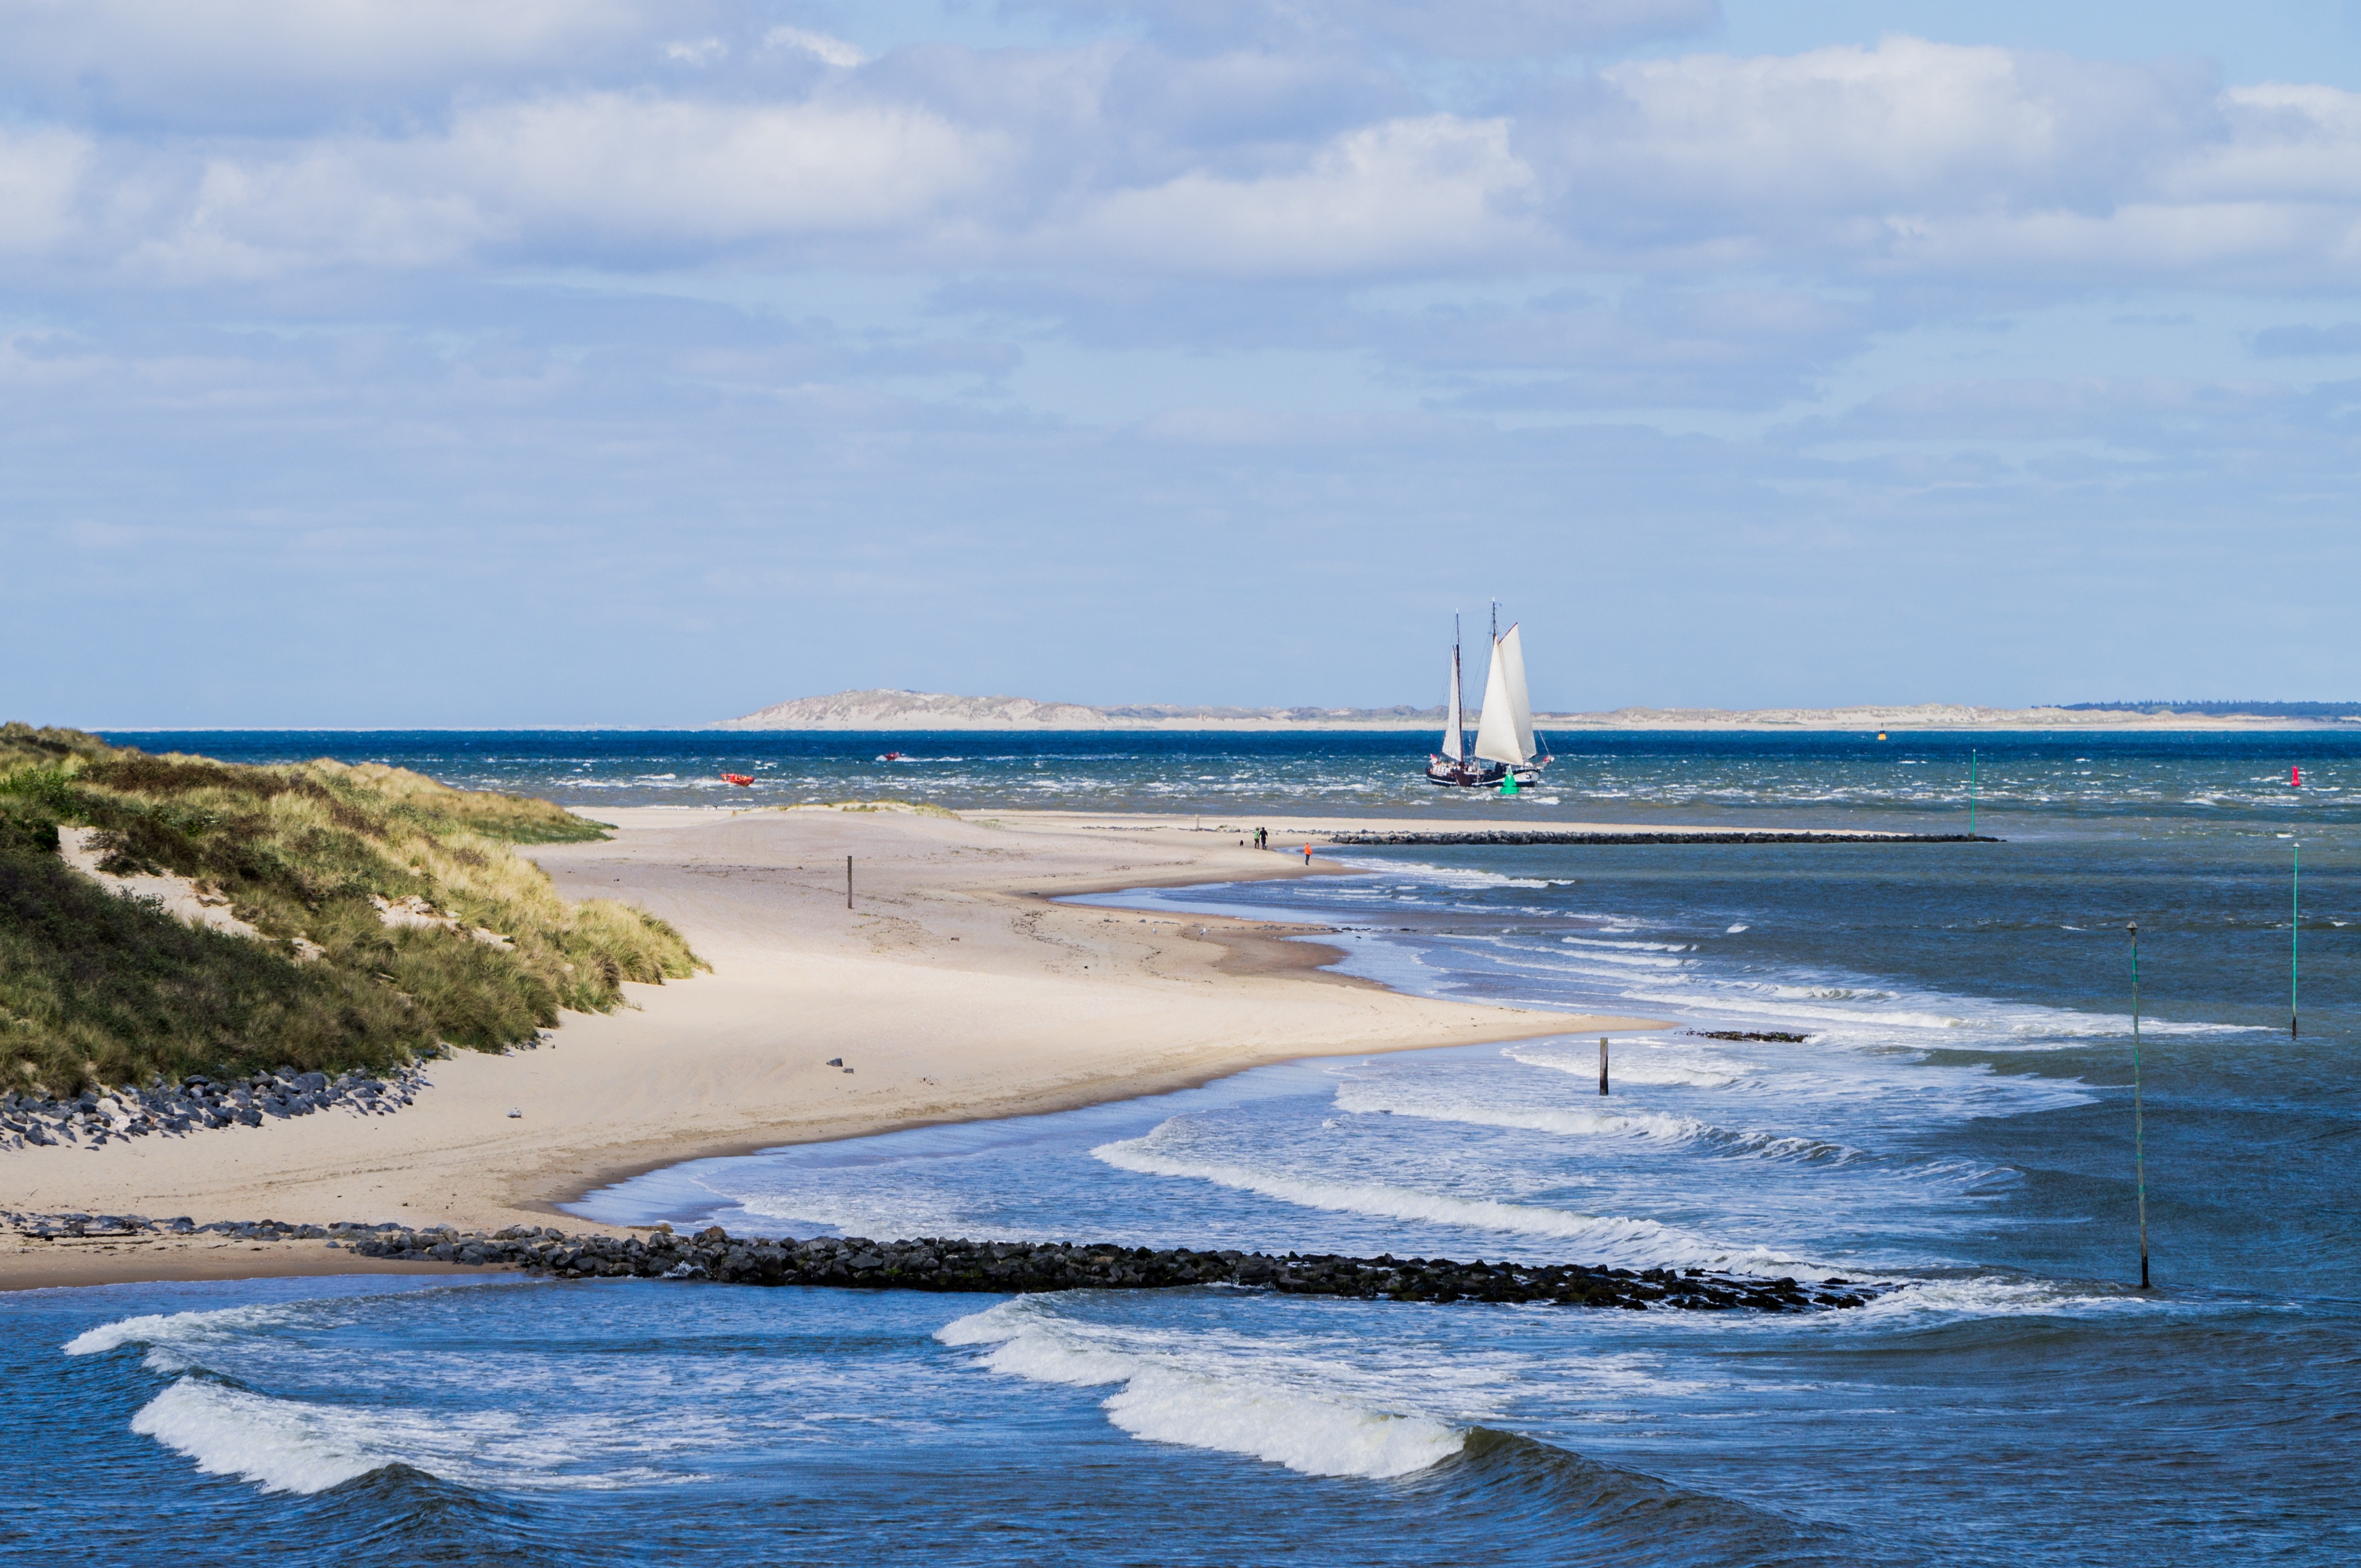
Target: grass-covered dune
(97,989)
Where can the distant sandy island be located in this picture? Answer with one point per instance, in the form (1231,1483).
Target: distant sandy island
(954,988)
(916,711)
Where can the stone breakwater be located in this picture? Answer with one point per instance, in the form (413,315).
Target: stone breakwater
(985,1266)
(1000,1268)
(1522,836)
(199,1105)
(1015,1268)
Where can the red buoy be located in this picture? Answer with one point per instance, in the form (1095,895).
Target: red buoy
(2295,776)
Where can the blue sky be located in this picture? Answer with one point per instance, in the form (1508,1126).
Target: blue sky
(367,363)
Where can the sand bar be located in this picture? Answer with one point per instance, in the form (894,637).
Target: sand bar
(956,988)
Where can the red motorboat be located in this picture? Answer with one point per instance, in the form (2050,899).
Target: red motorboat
(740,779)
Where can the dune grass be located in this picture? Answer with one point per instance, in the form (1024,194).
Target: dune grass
(97,990)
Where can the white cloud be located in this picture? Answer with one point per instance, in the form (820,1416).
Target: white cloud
(1920,158)
(1468,29)
(2286,143)
(819,45)
(258,219)
(585,177)
(177,57)
(674,172)
(1907,160)
(1436,190)
(41,173)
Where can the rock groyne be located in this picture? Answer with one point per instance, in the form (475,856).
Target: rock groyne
(1015,1268)
(994,1268)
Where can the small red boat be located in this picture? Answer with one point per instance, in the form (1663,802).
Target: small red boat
(740,779)
(889,757)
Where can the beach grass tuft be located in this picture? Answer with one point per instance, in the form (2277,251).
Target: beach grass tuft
(914,807)
(395,918)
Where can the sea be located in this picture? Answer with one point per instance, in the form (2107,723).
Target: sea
(1909,1064)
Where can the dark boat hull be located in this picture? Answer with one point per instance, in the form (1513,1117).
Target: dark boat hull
(1463,775)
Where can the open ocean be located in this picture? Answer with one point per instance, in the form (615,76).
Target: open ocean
(1957,1121)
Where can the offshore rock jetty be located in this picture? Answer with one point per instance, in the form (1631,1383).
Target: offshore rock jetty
(198,1104)
(999,1267)
(1016,1267)
(1545,836)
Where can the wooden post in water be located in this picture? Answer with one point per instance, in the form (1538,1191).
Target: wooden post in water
(847,881)
(1971,791)
(2139,1144)
(1602,1064)
(2295,935)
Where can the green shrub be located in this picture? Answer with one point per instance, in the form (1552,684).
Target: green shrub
(96,988)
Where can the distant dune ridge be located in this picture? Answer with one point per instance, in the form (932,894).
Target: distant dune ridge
(936,710)
(906,710)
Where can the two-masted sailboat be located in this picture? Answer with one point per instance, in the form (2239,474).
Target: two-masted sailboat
(1504,731)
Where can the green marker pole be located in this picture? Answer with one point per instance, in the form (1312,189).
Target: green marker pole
(2139,1136)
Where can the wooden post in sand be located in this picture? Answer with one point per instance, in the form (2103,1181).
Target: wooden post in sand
(847,881)
(1602,1064)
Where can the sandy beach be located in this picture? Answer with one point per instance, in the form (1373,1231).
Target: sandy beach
(955,988)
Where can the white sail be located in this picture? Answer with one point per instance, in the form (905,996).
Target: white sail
(1504,733)
(1520,703)
(1496,730)
(1453,729)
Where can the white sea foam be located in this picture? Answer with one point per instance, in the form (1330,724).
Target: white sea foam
(1583,1122)
(1314,1436)
(1606,1237)
(1640,1062)
(1993,1026)
(1995,1298)
(278,1445)
(1378,1199)
(176,1341)
(302,1445)
(1408,1100)
(1591,954)
(287,1443)
(1635,947)
(1200,1392)
(889,1208)
(1462,877)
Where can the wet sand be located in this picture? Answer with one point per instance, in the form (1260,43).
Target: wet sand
(955,988)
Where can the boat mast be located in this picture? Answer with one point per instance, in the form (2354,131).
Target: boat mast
(1459,694)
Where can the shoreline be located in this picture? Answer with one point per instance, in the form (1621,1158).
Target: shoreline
(1291,956)
(1058,1004)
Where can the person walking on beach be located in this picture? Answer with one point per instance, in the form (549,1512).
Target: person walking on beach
(1307,854)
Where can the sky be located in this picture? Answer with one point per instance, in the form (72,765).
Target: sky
(422,363)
